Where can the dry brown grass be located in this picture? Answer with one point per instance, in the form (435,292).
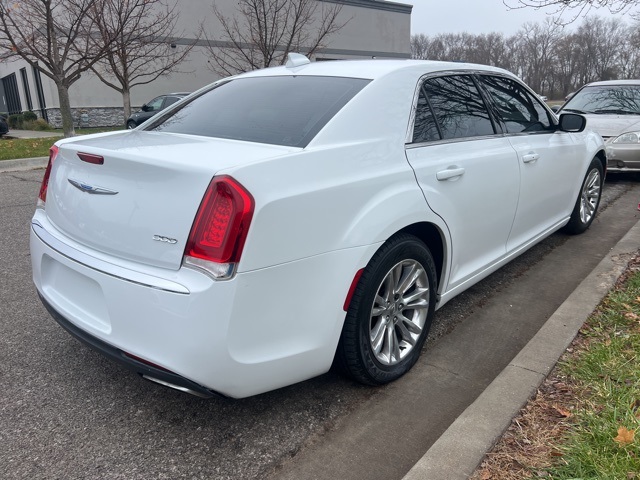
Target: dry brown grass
(527,448)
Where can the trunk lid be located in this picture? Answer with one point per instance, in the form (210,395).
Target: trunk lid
(141,202)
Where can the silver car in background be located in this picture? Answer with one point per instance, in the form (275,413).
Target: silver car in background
(612,109)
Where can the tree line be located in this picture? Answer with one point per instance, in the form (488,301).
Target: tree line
(551,58)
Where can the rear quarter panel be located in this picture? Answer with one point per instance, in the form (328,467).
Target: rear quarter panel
(351,186)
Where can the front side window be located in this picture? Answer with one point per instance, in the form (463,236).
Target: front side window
(458,106)
(279,110)
(518,109)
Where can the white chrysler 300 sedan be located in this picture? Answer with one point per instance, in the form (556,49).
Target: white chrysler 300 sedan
(281,221)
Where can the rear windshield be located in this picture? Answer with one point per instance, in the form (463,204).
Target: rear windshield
(287,110)
(615,99)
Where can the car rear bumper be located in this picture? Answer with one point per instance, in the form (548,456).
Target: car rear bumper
(259,331)
(153,373)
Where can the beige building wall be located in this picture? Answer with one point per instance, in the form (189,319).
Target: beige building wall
(374,28)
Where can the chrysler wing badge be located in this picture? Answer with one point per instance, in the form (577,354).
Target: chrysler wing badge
(91,188)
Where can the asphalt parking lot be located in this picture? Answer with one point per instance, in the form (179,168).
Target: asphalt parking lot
(66,412)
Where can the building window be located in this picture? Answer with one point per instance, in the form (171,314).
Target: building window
(40,92)
(12,95)
(25,85)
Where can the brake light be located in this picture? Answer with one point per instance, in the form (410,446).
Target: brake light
(42,196)
(220,229)
(91,158)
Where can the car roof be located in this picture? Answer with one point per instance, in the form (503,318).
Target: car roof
(613,82)
(369,69)
(184,94)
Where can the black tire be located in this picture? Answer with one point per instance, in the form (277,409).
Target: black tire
(355,355)
(586,207)
(131,125)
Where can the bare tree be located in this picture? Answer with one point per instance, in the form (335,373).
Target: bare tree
(263,32)
(489,49)
(566,65)
(536,45)
(419,45)
(600,43)
(54,36)
(142,48)
(576,7)
(630,55)
(549,58)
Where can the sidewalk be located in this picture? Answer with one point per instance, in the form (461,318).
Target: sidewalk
(462,447)
(23,164)
(32,134)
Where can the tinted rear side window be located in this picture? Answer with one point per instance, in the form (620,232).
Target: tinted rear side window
(425,128)
(458,106)
(285,110)
(170,101)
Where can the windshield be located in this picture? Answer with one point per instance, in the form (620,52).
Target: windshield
(611,99)
(281,110)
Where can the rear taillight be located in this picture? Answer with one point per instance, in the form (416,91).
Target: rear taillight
(220,229)
(42,196)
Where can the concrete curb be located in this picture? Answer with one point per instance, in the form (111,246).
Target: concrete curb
(461,448)
(23,164)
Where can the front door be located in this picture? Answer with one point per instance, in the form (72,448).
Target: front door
(469,173)
(547,158)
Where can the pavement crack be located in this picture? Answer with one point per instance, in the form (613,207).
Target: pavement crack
(27,180)
(527,369)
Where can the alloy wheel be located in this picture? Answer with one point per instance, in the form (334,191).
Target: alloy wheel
(590,196)
(399,312)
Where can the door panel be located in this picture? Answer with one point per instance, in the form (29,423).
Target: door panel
(544,197)
(473,185)
(548,159)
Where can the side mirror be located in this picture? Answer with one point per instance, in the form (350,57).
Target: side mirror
(572,122)
(555,108)
(145,108)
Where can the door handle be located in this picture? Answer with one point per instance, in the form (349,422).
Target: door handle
(530,157)
(449,173)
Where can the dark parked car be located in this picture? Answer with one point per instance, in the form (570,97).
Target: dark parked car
(4,127)
(149,109)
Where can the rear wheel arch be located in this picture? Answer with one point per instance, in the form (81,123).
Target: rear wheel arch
(389,316)
(433,238)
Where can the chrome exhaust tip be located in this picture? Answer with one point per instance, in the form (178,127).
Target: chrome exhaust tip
(177,387)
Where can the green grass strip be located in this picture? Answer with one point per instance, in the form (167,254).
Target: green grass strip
(606,374)
(12,148)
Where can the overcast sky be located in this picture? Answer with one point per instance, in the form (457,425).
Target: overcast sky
(474,16)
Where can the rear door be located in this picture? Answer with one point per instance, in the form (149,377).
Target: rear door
(548,159)
(467,170)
